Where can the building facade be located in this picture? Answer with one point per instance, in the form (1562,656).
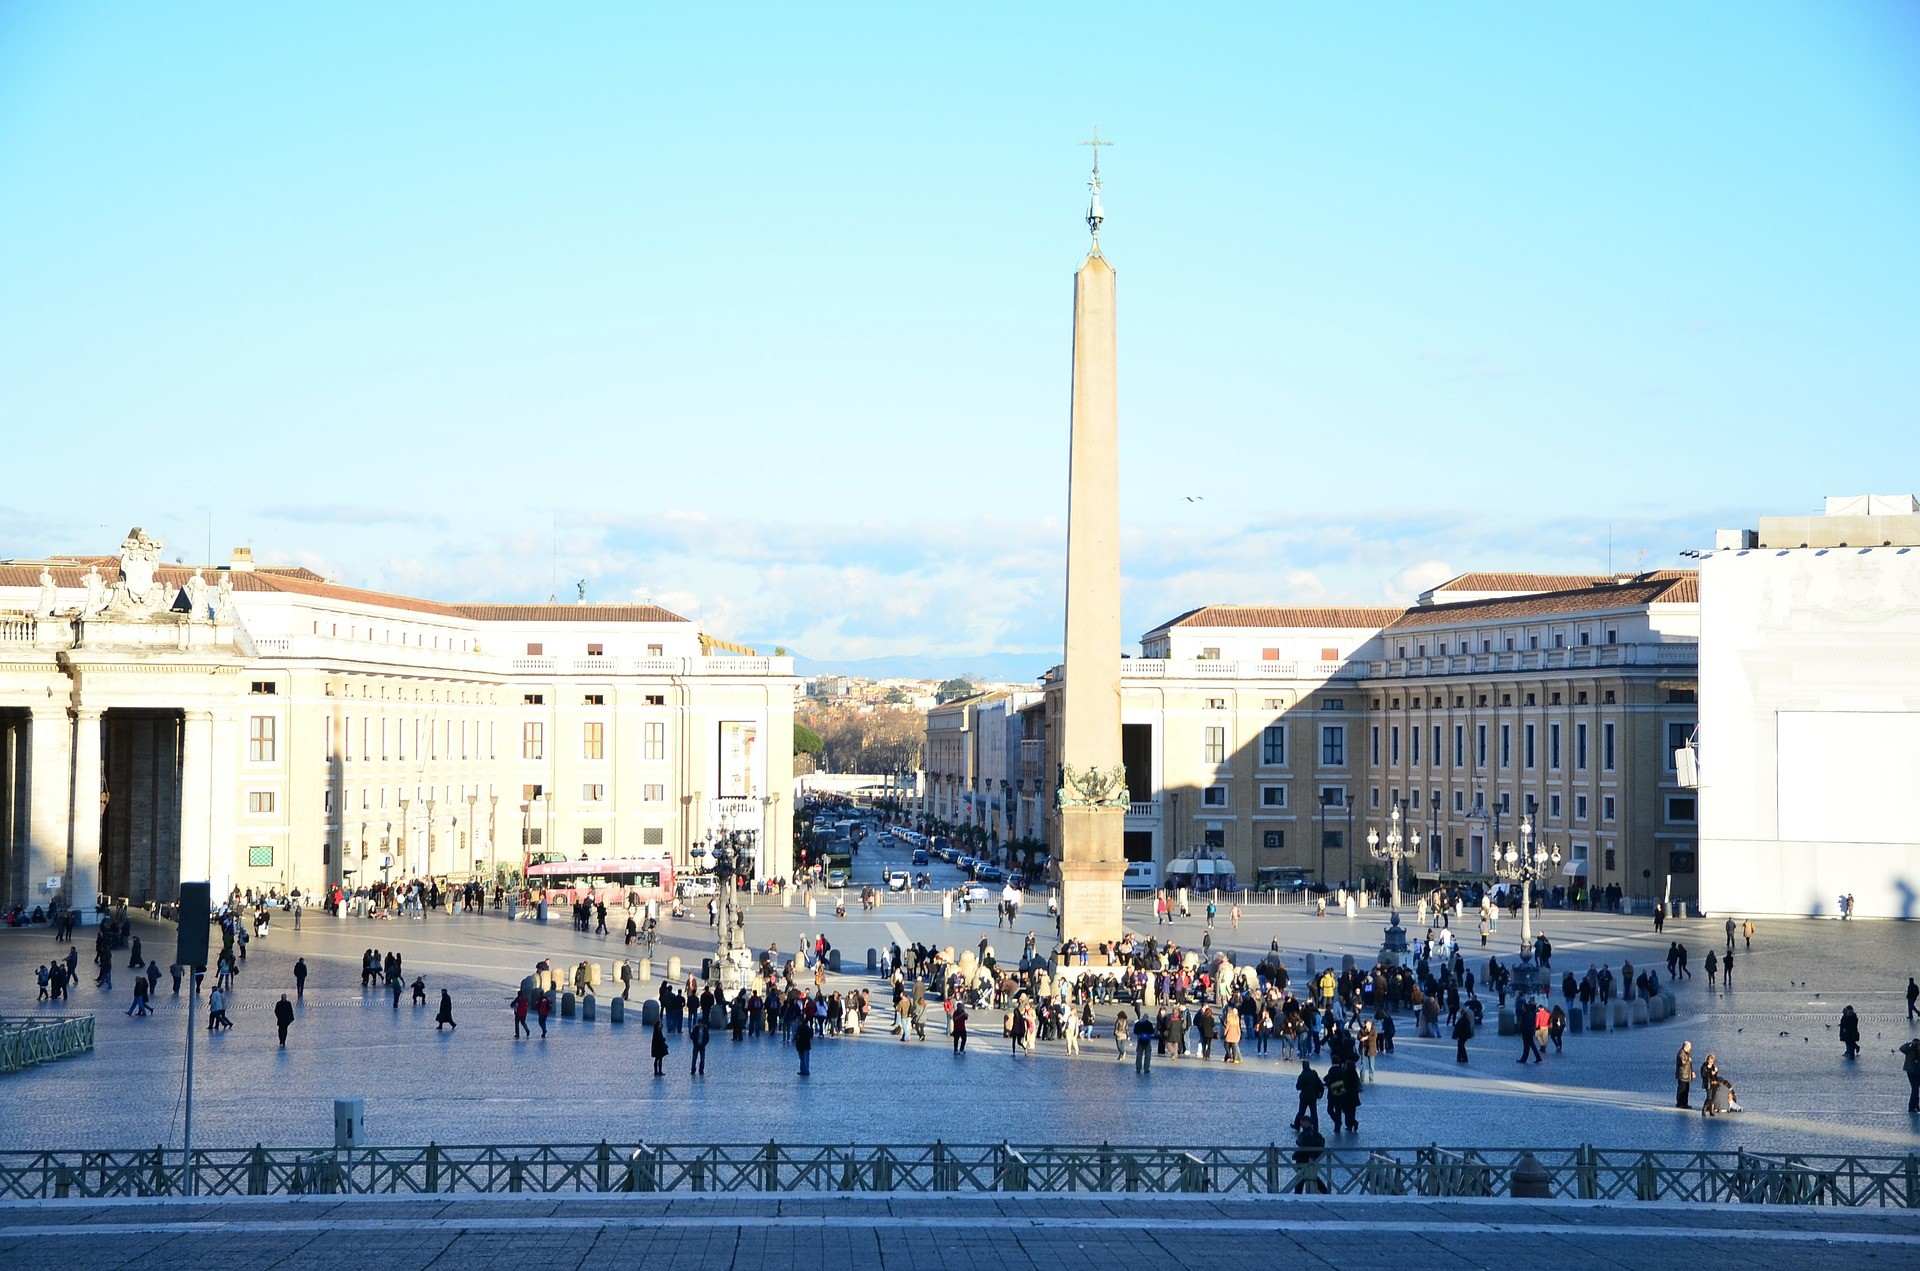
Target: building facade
(1810,721)
(262,727)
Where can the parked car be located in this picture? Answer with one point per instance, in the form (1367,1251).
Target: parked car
(698,885)
(991,874)
(1283,879)
(837,878)
(899,880)
(919,856)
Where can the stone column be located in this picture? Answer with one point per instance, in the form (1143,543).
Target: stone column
(83,861)
(196,799)
(49,801)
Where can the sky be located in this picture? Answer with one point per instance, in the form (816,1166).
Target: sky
(763,313)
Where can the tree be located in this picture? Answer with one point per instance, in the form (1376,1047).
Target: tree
(806,742)
(957,687)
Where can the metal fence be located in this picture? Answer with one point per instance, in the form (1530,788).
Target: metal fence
(1584,1172)
(26,1042)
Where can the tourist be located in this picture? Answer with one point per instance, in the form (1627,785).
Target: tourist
(1462,1030)
(217,1010)
(444,1019)
(803,1042)
(1911,1066)
(700,1034)
(1850,1033)
(1913,999)
(659,1045)
(1683,1076)
(1310,1086)
(520,1016)
(300,979)
(283,1018)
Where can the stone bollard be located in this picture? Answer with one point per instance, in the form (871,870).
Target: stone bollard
(650,1012)
(1347,964)
(706,970)
(567,1004)
(1576,1020)
(645,971)
(833,961)
(593,974)
(1637,1013)
(1531,1181)
(1617,1010)
(540,913)
(673,968)
(813,907)
(873,961)
(588,1009)
(617,1011)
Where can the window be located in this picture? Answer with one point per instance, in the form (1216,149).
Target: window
(1213,797)
(1216,703)
(1333,796)
(1606,747)
(1586,638)
(1329,655)
(259,857)
(593,793)
(1413,737)
(656,650)
(1580,807)
(531,836)
(1333,704)
(1214,745)
(1613,637)
(1480,745)
(592,836)
(653,836)
(533,699)
(1459,801)
(1506,803)
(1273,796)
(596,650)
(260,740)
(1606,807)
(593,740)
(1373,796)
(656,699)
(653,742)
(1333,745)
(594,699)
(1416,800)
(533,742)
(1459,745)
(1273,746)
(265,688)
(1273,840)
(1393,745)
(1269,655)
(1553,807)
(1680,807)
(1436,743)
(536,650)
(1209,655)
(1609,859)
(1678,735)
(653,794)
(1527,739)
(1506,745)
(259,802)
(1553,747)
(1274,703)
(1580,747)
(1681,696)
(1373,744)
(1215,837)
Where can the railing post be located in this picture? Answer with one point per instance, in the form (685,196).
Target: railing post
(1586,1172)
(943,1170)
(1131,1164)
(433,1167)
(516,1174)
(1913,1181)
(1649,1178)
(62,1182)
(1273,1161)
(643,1174)
(883,1170)
(697,1174)
(257,1172)
(1105,1176)
(603,1167)
(770,1169)
(850,1171)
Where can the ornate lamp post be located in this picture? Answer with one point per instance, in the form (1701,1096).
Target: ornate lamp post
(1526,865)
(473,801)
(729,852)
(406,838)
(1393,849)
(493,817)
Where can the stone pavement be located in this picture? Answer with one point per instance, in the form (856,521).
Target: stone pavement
(947,1233)
(1774,1032)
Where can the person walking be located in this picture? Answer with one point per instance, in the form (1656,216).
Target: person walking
(1462,1031)
(1230,1034)
(1913,999)
(520,1024)
(959,1026)
(1529,1035)
(660,1050)
(1121,1034)
(1726,970)
(1732,927)
(217,1010)
(700,1034)
(300,979)
(1849,1033)
(1144,1035)
(803,1042)
(1683,1076)
(283,1018)
(444,1019)
(1911,1066)
(1070,1029)
(542,1007)
(1310,1086)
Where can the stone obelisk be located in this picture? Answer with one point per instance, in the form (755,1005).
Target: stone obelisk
(1092,800)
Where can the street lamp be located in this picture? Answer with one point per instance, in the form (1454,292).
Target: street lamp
(1393,850)
(493,816)
(406,834)
(429,874)
(473,801)
(1526,865)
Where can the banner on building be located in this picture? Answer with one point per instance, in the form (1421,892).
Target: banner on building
(739,758)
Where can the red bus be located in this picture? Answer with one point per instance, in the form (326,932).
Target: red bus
(610,882)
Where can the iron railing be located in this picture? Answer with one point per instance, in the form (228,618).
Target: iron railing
(26,1042)
(1584,1172)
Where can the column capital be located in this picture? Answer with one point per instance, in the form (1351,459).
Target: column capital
(82,714)
(198,717)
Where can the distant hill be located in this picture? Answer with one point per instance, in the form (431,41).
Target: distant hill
(1011,668)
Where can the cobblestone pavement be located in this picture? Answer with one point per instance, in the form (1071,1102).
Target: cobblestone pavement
(1775,1033)
(949,1233)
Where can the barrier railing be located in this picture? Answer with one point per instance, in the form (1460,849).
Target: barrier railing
(24,1043)
(1584,1172)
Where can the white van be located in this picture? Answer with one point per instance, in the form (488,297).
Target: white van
(1141,876)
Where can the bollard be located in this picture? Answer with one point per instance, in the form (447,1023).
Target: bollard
(540,912)
(616,1011)
(645,971)
(673,968)
(588,1010)
(833,961)
(567,1005)
(1531,1181)
(650,1012)
(593,974)
(706,969)
(873,960)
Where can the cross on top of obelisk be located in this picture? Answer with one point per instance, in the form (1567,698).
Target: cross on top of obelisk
(1095,214)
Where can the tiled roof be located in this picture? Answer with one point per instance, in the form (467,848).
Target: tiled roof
(1521,582)
(568,613)
(1667,586)
(1368,617)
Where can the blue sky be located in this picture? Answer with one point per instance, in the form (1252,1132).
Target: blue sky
(763,312)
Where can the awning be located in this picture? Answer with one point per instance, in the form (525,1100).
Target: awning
(1574,869)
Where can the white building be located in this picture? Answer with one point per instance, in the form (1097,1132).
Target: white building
(262,727)
(1810,712)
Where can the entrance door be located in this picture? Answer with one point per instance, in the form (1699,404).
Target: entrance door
(140,824)
(1477,854)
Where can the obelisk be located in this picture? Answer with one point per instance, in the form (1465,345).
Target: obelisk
(1092,801)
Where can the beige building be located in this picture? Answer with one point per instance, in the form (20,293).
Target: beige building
(262,727)
(1280,736)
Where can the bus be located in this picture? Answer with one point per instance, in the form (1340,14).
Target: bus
(610,882)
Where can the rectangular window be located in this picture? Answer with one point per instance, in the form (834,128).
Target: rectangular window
(1553,747)
(1273,796)
(1393,745)
(1216,703)
(533,699)
(1215,745)
(1459,801)
(1680,807)
(536,650)
(596,650)
(1553,807)
(261,747)
(1436,743)
(533,741)
(653,836)
(259,802)
(1273,746)
(1506,745)
(593,740)
(1213,797)
(1269,655)
(1527,740)
(1273,840)
(1606,807)
(1333,745)
(1373,745)
(1606,747)
(653,794)
(1580,747)
(1459,745)
(1333,796)
(1677,737)
(656,699)
(1209,655)
(1609,859)
(592,836)
(265,687)
(653,741)
(1333,704)
(1215,838)
(1413,738)
(594,699)
(593,793)
(1480,745)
